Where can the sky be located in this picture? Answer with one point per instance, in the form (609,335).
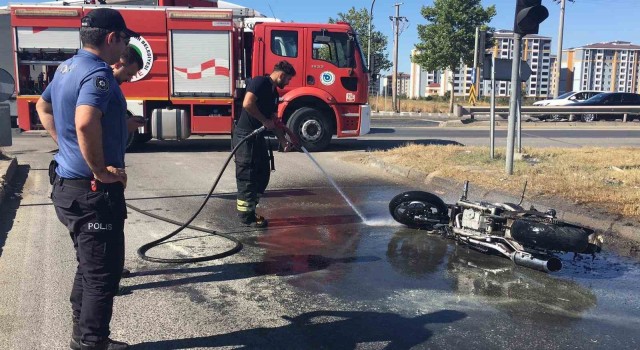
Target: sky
(586,21)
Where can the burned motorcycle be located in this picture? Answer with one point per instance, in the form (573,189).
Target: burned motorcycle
(529,238)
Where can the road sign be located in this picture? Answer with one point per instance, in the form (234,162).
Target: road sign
(503,69)
(472,94)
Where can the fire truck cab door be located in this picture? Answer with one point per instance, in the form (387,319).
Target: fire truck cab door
(332,63)
(285,44)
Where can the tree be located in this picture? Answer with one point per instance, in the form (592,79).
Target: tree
(359,21)
(449,38)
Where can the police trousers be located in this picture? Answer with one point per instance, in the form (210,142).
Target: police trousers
(95,220)
(252,171)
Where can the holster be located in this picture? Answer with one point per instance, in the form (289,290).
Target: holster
(52,171)
(271,158)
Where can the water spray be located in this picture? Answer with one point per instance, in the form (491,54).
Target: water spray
(334,184)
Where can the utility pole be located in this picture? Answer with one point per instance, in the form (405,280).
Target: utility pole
(558,69)
(396,34)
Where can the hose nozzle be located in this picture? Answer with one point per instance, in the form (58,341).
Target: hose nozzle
(258,130)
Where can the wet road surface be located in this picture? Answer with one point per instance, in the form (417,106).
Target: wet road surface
(318,278)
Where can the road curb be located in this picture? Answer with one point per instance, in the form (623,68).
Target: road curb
(7,170)
(375,114)
(602,222)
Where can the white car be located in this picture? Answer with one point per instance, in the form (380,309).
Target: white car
(563,100)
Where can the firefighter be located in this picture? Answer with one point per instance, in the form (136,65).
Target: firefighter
(124,70)
(252,158)
(84,111)
(128,65)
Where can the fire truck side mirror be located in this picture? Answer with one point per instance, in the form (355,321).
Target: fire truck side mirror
(349,53)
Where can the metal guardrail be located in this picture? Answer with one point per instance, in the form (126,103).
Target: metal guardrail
(461,111)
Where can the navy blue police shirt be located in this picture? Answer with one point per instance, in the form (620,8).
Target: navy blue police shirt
(86,80)
(267,102)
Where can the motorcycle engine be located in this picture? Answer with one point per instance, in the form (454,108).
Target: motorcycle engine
(475,220)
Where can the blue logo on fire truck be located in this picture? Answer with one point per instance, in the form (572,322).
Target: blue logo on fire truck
(327,78)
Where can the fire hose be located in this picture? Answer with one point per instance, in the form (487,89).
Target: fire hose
(238,245)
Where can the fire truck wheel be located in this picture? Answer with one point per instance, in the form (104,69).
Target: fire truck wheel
(313,128)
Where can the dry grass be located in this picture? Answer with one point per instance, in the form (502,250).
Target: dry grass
(420,106)
(608,177)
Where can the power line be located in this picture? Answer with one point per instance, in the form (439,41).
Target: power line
(272,14)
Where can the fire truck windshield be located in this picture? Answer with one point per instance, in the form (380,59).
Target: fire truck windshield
(366,69)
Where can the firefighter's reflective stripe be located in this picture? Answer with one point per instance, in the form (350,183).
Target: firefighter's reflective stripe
(245,206)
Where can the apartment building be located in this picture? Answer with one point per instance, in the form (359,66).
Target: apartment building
(611,66)
(404,83)
(421,80)
(536,51)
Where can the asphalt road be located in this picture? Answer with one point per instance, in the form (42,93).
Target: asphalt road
(319,278)
(538,134)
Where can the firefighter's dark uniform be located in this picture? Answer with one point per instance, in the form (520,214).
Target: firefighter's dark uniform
(94,215)
(253,157)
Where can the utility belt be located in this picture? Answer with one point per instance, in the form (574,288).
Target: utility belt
(82,184)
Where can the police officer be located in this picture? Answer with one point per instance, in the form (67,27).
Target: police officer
(84,111)
(259,108)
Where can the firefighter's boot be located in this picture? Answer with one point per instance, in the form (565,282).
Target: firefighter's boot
(76,336)
(106,344)
(253,220)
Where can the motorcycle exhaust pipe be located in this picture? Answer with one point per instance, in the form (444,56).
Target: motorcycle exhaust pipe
(525,259)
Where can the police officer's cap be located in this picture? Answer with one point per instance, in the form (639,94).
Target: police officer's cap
(109,19)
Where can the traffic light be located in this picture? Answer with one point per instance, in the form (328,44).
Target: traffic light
(529,15)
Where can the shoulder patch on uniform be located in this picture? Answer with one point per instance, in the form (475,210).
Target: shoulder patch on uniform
(101,83)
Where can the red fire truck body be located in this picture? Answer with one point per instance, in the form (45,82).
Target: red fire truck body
(196,63)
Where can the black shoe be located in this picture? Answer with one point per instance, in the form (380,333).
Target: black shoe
(123,291)
(125,273)
(255,221)
(106,344)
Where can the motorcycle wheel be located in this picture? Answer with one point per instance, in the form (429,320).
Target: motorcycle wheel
(406,206)
(551,236)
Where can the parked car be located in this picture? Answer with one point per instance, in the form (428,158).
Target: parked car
(610,99)
(565,99)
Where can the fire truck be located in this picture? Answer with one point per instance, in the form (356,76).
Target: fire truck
(196,64)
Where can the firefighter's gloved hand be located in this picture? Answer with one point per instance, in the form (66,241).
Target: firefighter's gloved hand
(288,146)
(269,124)
(294,141)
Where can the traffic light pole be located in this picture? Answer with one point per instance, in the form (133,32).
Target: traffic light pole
(493,107)
(519,117)
(513,102)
